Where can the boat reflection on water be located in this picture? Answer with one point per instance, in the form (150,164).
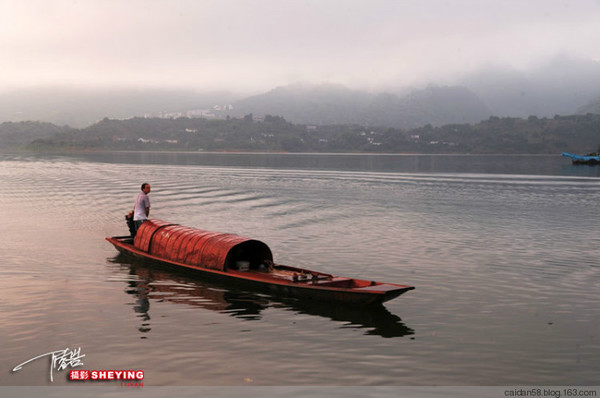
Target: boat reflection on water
(156,284)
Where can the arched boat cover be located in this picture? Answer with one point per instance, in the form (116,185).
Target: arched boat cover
(193,246)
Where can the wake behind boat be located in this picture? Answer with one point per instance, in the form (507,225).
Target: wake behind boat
(239,260)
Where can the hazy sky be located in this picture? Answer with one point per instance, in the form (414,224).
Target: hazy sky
(259,44)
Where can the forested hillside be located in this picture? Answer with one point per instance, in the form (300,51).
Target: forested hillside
(577,133)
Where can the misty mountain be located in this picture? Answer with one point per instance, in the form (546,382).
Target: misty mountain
(434,105)
(564,86)
(83,107)
(308,104)
(559,87)
(591,107)
(334,104)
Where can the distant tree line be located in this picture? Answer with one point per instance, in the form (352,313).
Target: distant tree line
(19,134)
(578,133)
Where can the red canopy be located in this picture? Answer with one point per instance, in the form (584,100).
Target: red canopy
(193,246)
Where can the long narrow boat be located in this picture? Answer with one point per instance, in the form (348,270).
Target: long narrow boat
(240,260)
(583,159)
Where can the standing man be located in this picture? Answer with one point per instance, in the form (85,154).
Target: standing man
(141,209)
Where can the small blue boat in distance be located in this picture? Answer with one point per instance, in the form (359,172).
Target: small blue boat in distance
(583,159)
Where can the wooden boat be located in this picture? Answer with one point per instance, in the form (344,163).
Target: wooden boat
(239,260)
(583,159)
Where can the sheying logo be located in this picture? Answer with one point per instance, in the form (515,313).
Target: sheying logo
(67,358)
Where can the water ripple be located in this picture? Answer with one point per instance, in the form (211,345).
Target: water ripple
(505,267)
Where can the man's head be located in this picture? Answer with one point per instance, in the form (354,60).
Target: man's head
(146,188)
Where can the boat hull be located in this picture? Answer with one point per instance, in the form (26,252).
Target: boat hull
(581,159)
(332,289)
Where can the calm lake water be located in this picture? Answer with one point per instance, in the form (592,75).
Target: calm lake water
(503,251)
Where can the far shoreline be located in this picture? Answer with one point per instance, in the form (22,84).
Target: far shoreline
(76,151)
